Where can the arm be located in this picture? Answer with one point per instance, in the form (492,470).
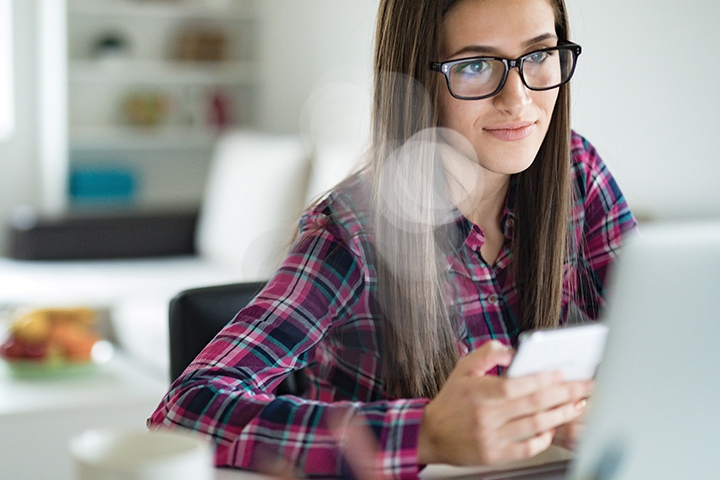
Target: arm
(602,221)
(226,392)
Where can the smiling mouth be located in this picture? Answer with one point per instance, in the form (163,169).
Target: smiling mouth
(512,133)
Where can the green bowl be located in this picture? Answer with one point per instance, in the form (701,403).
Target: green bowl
(50,368)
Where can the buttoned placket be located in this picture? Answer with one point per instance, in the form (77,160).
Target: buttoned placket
(484,309)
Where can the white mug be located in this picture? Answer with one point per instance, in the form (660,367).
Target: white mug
(141,455)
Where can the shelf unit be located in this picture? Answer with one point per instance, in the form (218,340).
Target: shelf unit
(184,104)
(129,138)
(177,9)
(161,72)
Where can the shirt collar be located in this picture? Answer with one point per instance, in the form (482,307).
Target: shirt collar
(464,232)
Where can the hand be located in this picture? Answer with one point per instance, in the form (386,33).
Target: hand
(566,436)
(479,419)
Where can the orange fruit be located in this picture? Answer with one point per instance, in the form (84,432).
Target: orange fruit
(32,328)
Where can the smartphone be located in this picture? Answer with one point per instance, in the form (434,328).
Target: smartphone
(575,351)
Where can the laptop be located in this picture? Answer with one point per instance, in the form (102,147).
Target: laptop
(655,412)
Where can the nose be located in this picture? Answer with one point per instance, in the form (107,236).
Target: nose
(514,95)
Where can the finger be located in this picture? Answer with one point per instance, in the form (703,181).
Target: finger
(273,465)
(582,406)
(538,423)
(546,398)
(514,388)
(568,435)
(522,449)
(485,358)
(585,405)
(358,445)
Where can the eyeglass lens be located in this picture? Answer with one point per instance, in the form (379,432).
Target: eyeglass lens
(540,70)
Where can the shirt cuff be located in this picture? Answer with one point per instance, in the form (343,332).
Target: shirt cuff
(399,442)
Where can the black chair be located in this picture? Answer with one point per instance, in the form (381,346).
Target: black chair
(198,314)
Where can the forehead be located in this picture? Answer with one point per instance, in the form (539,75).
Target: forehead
(504,25)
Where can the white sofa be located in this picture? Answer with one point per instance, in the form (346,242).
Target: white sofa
(257,187)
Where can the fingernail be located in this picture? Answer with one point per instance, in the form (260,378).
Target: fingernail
(581,404)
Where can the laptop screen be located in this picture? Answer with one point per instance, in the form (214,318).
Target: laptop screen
(655,412)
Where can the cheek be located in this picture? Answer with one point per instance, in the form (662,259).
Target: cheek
(459,115)
(546,101)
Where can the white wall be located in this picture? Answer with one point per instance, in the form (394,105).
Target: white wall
(7,103)
(647,96)
(19,181)
(303,41)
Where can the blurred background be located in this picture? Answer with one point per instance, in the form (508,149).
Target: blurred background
(193,132)
(118,103)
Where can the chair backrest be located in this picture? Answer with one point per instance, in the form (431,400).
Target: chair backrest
(198,314)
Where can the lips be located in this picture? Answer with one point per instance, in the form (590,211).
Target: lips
(512,132)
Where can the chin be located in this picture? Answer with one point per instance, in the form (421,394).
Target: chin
(507,164)
(511,157)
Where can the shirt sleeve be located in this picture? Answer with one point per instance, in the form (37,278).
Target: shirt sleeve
(227,392)
(607,220)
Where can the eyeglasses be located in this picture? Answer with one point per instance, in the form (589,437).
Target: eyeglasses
(482,77)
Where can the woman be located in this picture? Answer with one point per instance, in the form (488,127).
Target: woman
(479,215)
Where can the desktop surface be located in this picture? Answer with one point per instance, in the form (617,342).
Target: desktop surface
(38,416)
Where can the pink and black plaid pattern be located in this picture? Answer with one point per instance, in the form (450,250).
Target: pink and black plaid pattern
(319,313)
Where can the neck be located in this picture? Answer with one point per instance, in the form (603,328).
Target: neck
(488,208)
(479,194)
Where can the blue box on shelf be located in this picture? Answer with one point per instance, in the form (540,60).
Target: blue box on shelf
(102,184)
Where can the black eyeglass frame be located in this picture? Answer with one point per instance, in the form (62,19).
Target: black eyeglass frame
(444,68)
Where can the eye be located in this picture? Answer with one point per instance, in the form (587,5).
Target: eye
(538,58)
(474,68)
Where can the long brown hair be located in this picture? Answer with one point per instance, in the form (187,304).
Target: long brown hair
(419,334)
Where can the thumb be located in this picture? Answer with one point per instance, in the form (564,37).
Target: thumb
(488,356)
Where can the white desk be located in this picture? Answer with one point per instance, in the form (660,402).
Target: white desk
(39,416)
(431,472)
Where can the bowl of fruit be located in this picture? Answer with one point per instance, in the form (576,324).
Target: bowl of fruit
(51,341)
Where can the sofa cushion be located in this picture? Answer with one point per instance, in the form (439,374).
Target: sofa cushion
(255,193)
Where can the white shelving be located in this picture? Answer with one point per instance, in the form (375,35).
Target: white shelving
(191,99)
(230,10)
(120,138)
(121,71)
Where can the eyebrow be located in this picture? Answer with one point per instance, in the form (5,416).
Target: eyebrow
(486,49)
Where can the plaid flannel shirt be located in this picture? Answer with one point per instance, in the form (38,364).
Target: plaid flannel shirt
(319,313)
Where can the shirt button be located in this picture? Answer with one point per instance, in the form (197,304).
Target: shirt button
(509,224)
(492,299)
